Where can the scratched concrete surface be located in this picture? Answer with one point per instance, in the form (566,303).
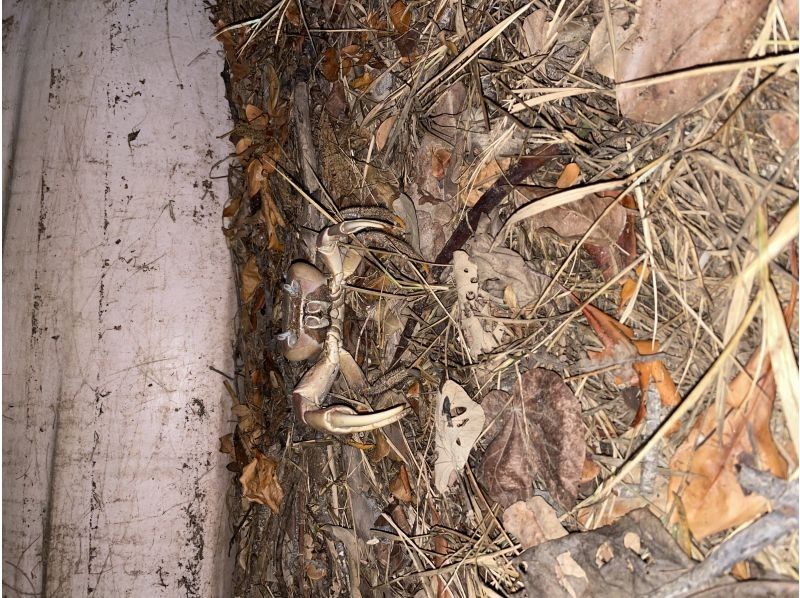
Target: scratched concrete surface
(116,299)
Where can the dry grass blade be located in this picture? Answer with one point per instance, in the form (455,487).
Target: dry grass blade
(471,51)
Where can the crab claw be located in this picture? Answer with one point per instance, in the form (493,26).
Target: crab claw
(340,419)
(329,239)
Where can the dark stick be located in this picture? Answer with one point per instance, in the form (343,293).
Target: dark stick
(526,166)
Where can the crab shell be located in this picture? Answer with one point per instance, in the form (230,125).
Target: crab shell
(311,285)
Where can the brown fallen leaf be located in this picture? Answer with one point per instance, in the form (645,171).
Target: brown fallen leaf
(400,487)
(533,521)
(571,221)
(649,40)
(362,82)
(383,131)
(440,160)
(250,279)
(260,483)
(329,67)
(569,176)
(535,432)
(400,16)
(254,177)
(241,147)
(712,497)
(255,116)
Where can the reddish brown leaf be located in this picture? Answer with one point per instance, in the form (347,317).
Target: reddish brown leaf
(255,116)
(400,16)
(537,432)
(440,160)
(400,487)
(329,67)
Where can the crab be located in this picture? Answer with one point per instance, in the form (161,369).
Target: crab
(313,317)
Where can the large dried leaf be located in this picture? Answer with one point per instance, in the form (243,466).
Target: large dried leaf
(459,421)
(654,39)
(711,494)
(260,483)
(536,432)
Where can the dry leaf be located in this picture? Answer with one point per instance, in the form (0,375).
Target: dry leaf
(650,39)
(250,279)
(254,177)
(400,16)
(571,221)
(255,116)
(534,28)
(400,487)
(711,495)
(533,522)
(535,432)
(232,207)
(440,160)
(569,176)
(329,67)
(241,146)
(597,563)
(260,483)
(362,82)
(459,421)
(382,134)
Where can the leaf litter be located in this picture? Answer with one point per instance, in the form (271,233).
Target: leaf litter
(596,237)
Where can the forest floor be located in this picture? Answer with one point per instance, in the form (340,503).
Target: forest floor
(581,292)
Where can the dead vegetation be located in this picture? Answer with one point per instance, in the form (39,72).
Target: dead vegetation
(588,298)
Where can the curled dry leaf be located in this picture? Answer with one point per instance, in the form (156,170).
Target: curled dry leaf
(254,176)
(459,421)
(536,432)
(532,522)
(260,483)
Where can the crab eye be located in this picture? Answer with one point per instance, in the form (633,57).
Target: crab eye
(288,336)
(315,323)
(293,288)
(316,307)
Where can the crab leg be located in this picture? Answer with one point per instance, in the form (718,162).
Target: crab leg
(317,382)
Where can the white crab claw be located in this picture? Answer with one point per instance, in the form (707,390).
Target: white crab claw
(328,240)
(339,419)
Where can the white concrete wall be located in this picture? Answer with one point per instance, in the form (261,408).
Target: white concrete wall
(117,297)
